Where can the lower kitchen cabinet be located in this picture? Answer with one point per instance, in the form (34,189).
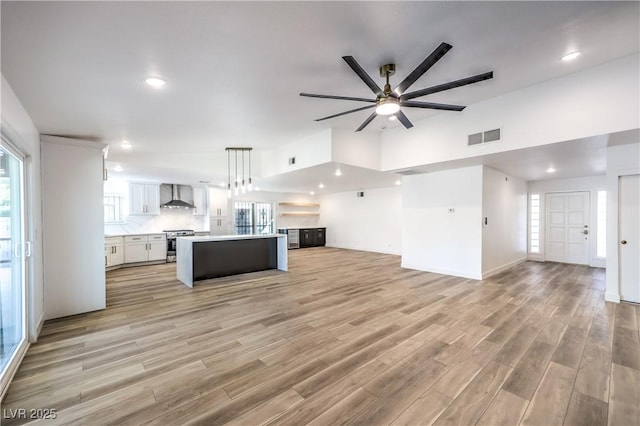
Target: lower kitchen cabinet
(113,251)
(312,237)
(145,248)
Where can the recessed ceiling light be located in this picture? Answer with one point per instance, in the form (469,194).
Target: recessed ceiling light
(155,82)
(551,170)
(571,56)
(312,193)
(398,182)
(321,186)
(117,168)
(126,145)
(338,172)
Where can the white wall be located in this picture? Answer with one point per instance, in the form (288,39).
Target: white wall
(622,160)
(435,240)
(362,149)
(370,223)
(19,129)
(504,237)
(309,151)
(591,184)
(596,101)
(73,222)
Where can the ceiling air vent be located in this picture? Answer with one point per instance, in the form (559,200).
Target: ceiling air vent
(484,137)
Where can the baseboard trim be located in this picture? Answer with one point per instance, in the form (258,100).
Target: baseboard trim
(370,250)
(612,297)
(454,273)
(494,271)
(38,330)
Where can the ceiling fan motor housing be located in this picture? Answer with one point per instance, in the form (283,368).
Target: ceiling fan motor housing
(387,70)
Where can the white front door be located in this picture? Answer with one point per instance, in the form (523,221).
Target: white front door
(567,227)
(629,238)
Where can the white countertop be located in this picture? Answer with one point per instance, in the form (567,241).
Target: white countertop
(200,238)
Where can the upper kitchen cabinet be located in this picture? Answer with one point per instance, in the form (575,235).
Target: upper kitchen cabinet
(144,199)
(199,201)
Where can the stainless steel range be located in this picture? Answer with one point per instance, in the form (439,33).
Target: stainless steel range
(171,241)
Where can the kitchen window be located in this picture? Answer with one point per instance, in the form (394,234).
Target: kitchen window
(113,208)
(253,218)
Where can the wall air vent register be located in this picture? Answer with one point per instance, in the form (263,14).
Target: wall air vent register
(484,137)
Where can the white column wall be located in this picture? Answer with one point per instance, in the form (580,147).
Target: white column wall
(73,220)
(434,238)
(504,237)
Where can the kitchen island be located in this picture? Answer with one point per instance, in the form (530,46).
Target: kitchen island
(203,257)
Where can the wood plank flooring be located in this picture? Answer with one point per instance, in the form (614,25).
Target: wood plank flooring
(345,337)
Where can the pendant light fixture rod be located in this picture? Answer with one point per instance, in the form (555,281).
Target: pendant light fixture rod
(228,173)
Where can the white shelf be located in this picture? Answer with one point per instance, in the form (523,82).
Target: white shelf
(300,214)
(299,204)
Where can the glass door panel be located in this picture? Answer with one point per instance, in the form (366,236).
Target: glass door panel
(12,262)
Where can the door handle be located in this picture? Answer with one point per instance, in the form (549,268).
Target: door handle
(27,249)
(623,242)
(585,232)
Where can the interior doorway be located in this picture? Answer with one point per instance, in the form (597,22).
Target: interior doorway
(629,237)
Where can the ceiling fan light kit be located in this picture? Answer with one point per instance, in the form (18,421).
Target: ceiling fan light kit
(387,106)
(390,102)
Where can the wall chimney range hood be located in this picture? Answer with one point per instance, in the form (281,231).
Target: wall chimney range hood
(176,202)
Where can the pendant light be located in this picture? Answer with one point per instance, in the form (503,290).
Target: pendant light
(240,185)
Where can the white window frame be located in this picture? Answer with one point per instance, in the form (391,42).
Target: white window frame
(534,228)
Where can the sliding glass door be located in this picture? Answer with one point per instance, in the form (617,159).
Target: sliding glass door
(12,259)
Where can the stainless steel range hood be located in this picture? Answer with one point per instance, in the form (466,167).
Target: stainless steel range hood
(176,202)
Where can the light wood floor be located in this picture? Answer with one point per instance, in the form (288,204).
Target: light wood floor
(344,337)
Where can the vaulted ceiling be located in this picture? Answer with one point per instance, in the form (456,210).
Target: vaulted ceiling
(234,70)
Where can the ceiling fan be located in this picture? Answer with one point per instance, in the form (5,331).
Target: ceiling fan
(390,102)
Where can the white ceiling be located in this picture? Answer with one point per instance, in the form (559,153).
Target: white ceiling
(235,69)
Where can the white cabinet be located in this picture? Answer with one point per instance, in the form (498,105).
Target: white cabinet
(219,223)
(219,226)
(144,199)
(113,251)
(157,247)
(199,201)
(218,203)
(144,248)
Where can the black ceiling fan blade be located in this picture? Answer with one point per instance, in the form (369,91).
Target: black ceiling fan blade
(449,85)
(367,121)
(346,112)
(404,120)
(355,66)
(435,56)
(431,105)
(342,98)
